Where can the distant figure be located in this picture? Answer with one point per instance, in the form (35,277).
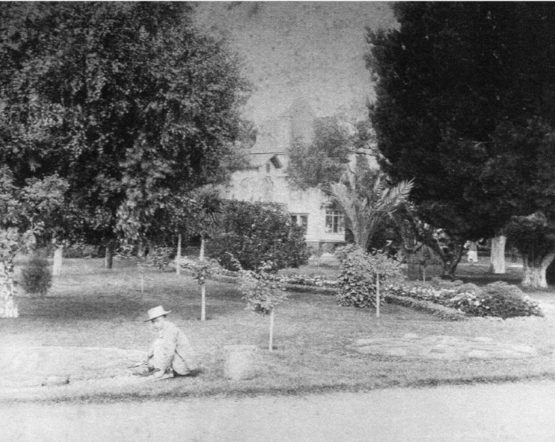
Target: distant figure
(472,253)
(171,353)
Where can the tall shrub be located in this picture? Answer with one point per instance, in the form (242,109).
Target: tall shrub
(362,274)
(259,234)
(36,276)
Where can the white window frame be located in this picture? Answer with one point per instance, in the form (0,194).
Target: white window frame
(335,221)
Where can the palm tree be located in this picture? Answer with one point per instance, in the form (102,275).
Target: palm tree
(367,199)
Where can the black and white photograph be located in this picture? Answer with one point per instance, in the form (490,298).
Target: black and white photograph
(251,221)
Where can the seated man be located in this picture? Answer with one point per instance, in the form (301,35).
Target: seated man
(171,353)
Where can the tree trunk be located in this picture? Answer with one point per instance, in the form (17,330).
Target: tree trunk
(497,256)
(109,256)
(377,296)
(534,271)
(450,263)
(57,263)
(271,338)
(8,307)
(413,267)
(141,249)
(201,254)
(203,302)
(178,256)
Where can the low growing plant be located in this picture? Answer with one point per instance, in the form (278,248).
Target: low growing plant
(497,299)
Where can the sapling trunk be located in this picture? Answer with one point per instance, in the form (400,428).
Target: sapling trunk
(203,302)
(271,340)
(178,256)
(202,285)
(201,254)
(377,296)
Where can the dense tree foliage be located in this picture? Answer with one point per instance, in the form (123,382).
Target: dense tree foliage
(256,235)
(465,104)
(127,101)
(322,160)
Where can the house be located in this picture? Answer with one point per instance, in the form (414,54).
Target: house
(266,179)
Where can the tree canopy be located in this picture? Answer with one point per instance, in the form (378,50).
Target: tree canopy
(449,80)
(126,101)
(465,106)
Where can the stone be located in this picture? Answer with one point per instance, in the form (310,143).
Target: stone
(55,380)
(482,339)
(478,354)
(396,351)
(240,362)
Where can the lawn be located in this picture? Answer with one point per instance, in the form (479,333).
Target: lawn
(89,306)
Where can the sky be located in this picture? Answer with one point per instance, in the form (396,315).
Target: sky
(292,50)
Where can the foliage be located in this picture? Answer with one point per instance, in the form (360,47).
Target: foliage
(36,275)
(367,200)
(262,289)
(203,270)
(331,147)
(464,106)
(127,101)
(497,299)
(257,233)
(359,271)
(160,257)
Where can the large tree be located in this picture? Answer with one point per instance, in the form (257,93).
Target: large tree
(127,101)
(458,85)
(339,160)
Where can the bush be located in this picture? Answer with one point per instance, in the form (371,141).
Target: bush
(258,234)
(357,279)
(497,299)
(160,257)
(36,276)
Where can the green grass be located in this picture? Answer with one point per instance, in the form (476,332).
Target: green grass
(92,307)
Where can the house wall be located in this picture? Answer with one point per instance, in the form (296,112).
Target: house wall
(263,181)
(258,184)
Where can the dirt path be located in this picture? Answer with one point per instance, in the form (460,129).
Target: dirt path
(502,412)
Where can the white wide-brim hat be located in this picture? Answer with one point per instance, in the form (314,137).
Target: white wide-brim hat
(156,312)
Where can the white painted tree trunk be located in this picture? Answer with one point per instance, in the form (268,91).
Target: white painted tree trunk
(178,256)
(534,277)
(534,273)
(497,254)
(57,263)
(271,339)
(8,307)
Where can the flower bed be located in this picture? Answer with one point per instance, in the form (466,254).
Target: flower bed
(497,299)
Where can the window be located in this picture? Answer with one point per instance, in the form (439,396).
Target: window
(335,221)
(300,219)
